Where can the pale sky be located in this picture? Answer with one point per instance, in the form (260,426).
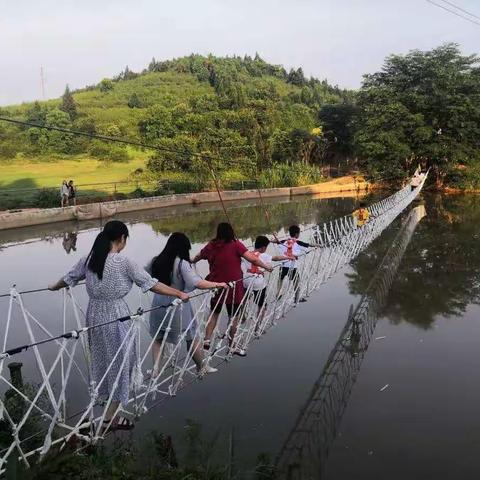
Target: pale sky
(80,42)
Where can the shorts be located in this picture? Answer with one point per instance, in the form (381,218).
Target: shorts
(232,308)
(287,271)
(259,297)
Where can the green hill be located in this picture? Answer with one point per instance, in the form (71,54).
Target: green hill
(247,113)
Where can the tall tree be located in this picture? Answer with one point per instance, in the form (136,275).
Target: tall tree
(68,104)
(423,107)
(134,101)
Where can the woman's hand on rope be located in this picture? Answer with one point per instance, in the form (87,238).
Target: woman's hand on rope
(184,297)
(57,285)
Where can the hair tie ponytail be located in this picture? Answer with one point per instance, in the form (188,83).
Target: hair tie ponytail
(112,231)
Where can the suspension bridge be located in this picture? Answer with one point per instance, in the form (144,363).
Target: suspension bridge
(305,451)
(62,403)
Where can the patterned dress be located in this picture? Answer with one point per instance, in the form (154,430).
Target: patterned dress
(106,302)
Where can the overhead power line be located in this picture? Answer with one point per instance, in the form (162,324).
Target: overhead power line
(460,8)
(124,141)
(471,20)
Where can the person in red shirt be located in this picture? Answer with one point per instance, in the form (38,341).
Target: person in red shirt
(224,254)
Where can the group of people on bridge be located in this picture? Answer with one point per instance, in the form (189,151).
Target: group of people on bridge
(233,271)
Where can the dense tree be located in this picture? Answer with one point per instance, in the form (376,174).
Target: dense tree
(338,122)
(423,107)
(106,85)
(68,104)
(134,101)
(36,114)
(230,108)
(296,77)
(45,141)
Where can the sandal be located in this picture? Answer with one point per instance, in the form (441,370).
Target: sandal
(123,424)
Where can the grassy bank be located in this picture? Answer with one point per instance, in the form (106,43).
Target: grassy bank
(33,173)
(29,183)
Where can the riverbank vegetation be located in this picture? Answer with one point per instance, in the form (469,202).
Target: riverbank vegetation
(154,457)
(245,118)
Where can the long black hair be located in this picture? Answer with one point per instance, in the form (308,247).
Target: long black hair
(225,232)
(178,245)
(112,231)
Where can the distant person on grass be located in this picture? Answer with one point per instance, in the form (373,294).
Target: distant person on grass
(64,194)
(72,193)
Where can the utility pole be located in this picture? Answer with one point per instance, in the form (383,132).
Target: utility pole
(42,81)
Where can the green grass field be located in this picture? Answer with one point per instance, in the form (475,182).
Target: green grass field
(82,170)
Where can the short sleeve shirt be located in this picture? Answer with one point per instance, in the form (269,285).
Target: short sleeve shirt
(258,281)
(224,260)
(298,249)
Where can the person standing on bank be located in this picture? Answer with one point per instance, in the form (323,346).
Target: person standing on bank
(64,194)
(224,255)
(173,267)
(109,278)
(72,193)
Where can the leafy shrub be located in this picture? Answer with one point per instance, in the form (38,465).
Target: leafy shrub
(105,85)
(289,175)
(7,150)
(140,193)
(118,154)
(47,198)
(104,151)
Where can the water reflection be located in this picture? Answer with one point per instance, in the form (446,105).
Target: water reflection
(197,221)
(69,241)
(305,452)
(439,276)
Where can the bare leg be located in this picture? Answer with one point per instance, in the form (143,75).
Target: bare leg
(211,324)
(197,353)
(232,331)
(280,282)
(111,410)
(157,356)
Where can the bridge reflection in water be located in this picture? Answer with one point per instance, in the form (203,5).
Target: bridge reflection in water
(305,452)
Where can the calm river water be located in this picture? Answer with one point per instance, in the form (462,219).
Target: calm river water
(424,424)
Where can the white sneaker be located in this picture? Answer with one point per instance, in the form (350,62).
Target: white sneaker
(240,352)
(209,369)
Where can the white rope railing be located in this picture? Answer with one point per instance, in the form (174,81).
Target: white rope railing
(305,451)
(50,408)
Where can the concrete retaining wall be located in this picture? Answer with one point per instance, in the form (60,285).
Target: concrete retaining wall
(30,217)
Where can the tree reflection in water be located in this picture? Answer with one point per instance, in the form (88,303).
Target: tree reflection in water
(439,273)
(305,452)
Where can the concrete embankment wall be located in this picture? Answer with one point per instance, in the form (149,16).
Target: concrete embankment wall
(89,211)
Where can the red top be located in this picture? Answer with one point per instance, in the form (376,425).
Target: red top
(224,259)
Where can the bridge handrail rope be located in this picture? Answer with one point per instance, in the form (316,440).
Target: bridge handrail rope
(340,241)
(307,446)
